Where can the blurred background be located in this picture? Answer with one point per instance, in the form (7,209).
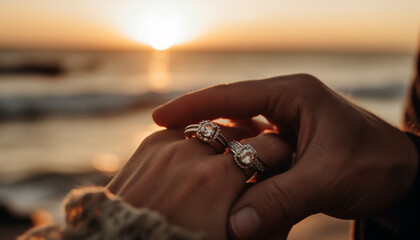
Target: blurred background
(79,79)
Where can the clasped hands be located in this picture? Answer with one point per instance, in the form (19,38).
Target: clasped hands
(346,162)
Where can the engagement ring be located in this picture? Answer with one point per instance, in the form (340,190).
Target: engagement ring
(206,131)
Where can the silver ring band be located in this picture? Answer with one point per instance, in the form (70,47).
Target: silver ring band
(245,156)
(206,131)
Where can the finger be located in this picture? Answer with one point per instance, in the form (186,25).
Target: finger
(272,207)
(255,125)
(272,150)
(274,98)
(229,133)
(237,132)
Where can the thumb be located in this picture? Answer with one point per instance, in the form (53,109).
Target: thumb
(272,207)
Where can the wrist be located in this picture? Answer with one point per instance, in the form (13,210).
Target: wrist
(414,191)
(402,219)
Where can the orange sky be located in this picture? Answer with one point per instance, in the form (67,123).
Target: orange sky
(374,25)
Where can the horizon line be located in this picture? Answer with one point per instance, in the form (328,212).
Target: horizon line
(215,50)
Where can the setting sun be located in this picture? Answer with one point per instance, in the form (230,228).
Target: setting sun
(211,25)
(159,28)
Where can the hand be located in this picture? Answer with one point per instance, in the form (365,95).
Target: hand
(349,163)
(186,181)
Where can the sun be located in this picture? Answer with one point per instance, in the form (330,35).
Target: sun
(158,28)
(161,30)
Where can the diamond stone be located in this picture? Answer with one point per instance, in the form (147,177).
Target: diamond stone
(247,155)
(208,129)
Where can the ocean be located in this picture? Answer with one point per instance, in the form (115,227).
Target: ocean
(72,112)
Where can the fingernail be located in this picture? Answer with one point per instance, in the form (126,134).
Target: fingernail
(245,223)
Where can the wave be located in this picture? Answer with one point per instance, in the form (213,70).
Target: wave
(90,104)
(52,69)
(387,91)
(31,108)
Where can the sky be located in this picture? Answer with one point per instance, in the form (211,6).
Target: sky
(357,25)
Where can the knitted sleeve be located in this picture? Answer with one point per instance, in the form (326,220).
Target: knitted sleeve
(94,213)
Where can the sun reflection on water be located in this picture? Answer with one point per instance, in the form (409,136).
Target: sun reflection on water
(159,78)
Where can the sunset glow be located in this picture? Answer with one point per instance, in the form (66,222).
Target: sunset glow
(159,28)
(211,25)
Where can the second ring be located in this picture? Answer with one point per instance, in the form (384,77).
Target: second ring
(245,156)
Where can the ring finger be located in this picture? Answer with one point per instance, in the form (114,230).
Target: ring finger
(274,152)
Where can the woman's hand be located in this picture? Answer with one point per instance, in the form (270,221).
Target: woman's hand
(186,181)
(349,163)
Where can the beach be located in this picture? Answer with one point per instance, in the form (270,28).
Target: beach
(86,112)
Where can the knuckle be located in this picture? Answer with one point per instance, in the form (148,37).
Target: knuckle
(204,174)
(166,154)
(153,138)
(174,149)
(307,82)
(306,77)
(223,169)
(309,86)
(177,145)
(221,87)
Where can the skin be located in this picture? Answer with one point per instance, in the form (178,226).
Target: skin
(348,163)
(187,182)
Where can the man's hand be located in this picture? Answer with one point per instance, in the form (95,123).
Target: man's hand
(349,163)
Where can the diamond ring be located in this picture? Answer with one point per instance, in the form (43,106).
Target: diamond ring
(206,131)
(245,156)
